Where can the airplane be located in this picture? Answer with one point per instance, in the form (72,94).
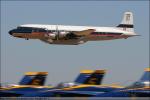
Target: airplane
(140,88)
(32,78)
(28,86)
(74,35)
(82,86)
(32,81)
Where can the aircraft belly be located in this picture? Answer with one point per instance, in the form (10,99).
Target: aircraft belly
(65,42)
(101,38)
(80,40)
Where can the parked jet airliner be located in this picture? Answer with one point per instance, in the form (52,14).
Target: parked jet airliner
(73,35)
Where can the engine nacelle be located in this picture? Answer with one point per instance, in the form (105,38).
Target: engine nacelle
(51,35)
(56,35)
(62,35)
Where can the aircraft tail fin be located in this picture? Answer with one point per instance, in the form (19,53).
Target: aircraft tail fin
(144,81)
(146,76)
(34,78)
(90,77)
(127,22)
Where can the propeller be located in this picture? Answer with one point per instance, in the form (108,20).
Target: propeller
(57,33)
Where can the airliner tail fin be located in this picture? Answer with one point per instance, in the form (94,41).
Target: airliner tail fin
(127,22)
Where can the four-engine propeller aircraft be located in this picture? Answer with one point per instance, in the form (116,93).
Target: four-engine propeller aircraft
(73,35)
(141,88)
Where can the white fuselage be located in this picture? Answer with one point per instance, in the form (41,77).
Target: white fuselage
(63,34)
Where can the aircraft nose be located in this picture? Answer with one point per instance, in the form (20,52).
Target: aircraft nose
(10,32)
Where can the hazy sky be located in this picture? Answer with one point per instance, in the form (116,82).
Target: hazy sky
(124,59)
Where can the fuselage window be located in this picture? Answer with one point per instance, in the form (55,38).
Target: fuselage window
(38,30)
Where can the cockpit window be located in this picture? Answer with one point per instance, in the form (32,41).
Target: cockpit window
(20,27)
(136,85)
(65,85)
(7,85)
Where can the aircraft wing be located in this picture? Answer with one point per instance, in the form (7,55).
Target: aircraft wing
(84,32)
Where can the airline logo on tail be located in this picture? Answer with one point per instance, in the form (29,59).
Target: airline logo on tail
(127,22)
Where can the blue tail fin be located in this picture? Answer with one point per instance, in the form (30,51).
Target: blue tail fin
(34,78)
(90,77)
(144,80)
(146,76)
